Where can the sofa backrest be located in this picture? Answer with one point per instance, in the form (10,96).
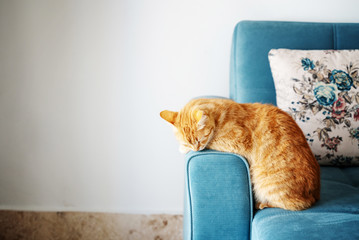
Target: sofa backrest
(250,75)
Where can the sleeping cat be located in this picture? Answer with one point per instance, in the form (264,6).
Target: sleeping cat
(284,172)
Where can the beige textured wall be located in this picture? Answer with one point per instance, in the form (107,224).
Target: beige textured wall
(88,226)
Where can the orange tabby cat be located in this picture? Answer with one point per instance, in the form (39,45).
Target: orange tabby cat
(284,172)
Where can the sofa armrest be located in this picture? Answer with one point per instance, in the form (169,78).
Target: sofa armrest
(218,196)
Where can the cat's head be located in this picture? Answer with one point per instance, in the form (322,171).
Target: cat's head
(193,128)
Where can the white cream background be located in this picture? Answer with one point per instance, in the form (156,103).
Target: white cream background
(82,84)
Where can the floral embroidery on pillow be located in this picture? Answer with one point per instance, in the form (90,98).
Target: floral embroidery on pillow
(324,102)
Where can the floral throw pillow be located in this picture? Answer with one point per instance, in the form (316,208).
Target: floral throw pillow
(320,90)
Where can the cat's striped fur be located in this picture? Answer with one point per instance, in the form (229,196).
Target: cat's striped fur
(284,172)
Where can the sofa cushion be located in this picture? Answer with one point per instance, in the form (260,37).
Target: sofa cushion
(250,75)
(319,88)
(335,216)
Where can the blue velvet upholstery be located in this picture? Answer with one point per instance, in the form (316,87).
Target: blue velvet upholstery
(218,192)
(335,216)
(218,198)
(250,75)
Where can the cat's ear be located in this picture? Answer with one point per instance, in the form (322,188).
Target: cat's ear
(198,115)
(169,116)
(201,119)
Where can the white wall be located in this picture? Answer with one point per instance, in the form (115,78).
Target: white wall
(82,84)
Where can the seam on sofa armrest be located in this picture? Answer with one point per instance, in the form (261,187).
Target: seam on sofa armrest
(335,37)
(249,189)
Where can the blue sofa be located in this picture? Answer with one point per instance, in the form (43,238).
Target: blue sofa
(219,202)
